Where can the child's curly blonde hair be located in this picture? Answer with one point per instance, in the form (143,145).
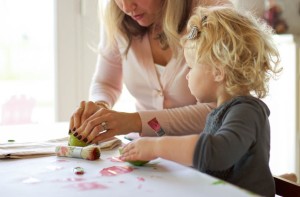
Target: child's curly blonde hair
(239,43)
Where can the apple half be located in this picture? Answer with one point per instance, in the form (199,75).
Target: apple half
(73,141)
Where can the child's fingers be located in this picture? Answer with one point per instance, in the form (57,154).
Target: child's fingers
(128,156)
(128,152)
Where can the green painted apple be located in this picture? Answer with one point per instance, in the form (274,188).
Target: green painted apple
(73,141)
(136,162)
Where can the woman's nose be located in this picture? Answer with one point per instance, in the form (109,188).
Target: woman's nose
(129,6)
(187,76)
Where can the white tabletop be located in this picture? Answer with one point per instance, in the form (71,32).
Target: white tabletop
(54,176)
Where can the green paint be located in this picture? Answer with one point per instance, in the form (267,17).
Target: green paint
(73,141)
(219,182)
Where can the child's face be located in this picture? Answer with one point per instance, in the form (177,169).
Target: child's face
(200,78)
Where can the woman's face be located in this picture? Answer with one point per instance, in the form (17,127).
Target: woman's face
(144,12)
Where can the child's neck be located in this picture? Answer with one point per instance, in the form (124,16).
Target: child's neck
(223,99)
(226,97)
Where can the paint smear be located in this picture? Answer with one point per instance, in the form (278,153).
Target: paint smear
(219,182)
(69,180)
(54,168)
(140,179)
(61,160)
(115,170)
(116,159)
(31,180)
(89,186)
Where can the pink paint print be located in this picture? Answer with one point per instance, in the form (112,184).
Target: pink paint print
(61,160)
(54,168)
(141,179)
(88,186)
(115,170)
(115,159)
(154,124)
(69,180)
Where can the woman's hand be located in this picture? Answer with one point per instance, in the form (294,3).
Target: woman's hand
(105,123)
(142,149)
(85,110)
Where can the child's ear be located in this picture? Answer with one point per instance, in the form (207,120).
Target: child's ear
(219,74)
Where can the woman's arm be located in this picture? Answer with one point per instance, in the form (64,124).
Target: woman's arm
(107,83)
(177,121)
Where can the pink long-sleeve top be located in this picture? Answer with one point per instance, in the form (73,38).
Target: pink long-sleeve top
(167,98)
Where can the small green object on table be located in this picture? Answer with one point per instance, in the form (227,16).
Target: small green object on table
(136,162)
(73,141)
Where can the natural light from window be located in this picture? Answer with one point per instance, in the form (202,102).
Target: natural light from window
(26,61)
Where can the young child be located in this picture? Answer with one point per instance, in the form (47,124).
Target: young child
(231,58)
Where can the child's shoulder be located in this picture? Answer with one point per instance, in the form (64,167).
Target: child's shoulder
(247,104)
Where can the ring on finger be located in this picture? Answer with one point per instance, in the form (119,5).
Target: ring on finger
(104,125)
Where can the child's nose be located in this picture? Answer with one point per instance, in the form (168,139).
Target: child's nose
(187,76)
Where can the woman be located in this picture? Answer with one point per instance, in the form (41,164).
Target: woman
(141,48)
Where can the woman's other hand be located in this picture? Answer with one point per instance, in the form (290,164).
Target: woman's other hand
(83,112)
(106,123)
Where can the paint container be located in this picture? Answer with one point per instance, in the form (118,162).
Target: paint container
(154,124)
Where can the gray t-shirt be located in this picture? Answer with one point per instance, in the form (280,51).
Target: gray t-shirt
(235,145)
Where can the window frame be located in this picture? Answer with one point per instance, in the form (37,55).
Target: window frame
(77,35)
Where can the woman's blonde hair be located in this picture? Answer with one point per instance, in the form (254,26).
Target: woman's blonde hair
(239,43)
(175,14)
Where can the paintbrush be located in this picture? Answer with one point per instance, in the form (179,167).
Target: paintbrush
(87,152)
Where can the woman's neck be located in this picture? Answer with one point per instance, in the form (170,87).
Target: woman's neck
(155,29)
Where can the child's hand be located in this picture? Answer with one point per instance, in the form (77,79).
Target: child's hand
(139,149)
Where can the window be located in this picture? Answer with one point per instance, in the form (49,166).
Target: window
(47,58)
(26,61)
(77,39)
